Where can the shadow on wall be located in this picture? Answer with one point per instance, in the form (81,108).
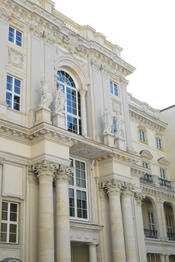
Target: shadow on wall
(10,259)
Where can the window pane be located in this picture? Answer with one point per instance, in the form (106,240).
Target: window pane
(3,227)
(17,103)
(11,34)
(17,86)
(111,87)
(13,228)
(13,207)
(9,99)
(4,206)
(3,237)
(12,238)
(115,90)
(71,202)
(4,215)
(9,83)
(13,216)
(18,38)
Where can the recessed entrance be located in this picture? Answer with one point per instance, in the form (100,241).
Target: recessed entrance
(79,252)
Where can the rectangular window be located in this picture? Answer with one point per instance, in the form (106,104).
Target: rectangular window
(151,220)
(159,142)
(78,190)
(13,93)
(15,36)
(145,165)
(162,173)
(114,126)
(169,220)
(142,135)
(9,222)
(113,88)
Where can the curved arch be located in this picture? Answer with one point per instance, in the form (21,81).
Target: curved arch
(68,64)
(146,154)
(163,161)
(10,259)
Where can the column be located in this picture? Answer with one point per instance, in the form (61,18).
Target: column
(160,221)
(129,226)
(116,223)
(140,228)
(83,111)
(92,253)
(162,258)
(63,253)
(45,225)
(167,258)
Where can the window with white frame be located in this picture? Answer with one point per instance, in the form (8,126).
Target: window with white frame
(9,222)
(151,220)
(72,108)
(13,93)
(114,88)
(169,220)
(78,190)
(162,173)
(145,165)
(15,36)
(159,142)
(142,135)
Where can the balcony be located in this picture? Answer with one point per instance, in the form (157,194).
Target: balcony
(150,233)
(165,183)
(171,236)
(147,178)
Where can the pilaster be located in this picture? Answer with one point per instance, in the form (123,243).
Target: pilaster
(83,111)
(160,215)
(92,253)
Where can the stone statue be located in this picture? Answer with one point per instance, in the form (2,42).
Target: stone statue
(107,122)
(59,100)
(46,97)
(120,125)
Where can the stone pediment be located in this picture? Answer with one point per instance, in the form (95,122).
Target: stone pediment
(146,154)
(163,161)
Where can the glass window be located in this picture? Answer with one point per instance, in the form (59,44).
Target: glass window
(72,105)
(13,93)
(159,142)
(113,88)
(78,190)
(15,36)
(162,173)
(9,222)
(142,135)
(114,125)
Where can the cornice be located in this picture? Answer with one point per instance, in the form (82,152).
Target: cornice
(144,118)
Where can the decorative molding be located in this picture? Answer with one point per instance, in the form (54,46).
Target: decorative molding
(15,58)
(163,161)
(62,173)
(4,14)
(146,154)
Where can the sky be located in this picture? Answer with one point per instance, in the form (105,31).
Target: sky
(145,29)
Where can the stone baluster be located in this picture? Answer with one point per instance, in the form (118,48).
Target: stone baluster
(116,222)
(83,111)
(162,258)
(63,252)
(128,224)
(92,253)
(45,172)
(140,227)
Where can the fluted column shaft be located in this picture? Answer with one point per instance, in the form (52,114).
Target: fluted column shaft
(63,253)
(129,226)
(46,225)
(92,253)
(118,246)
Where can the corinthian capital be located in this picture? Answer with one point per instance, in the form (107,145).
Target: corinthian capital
(62,173)
(112,185)
(138,197)
(45,168)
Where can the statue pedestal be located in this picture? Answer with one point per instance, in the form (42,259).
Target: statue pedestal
(109,139)
(59,120)
(43,115)
(120,142)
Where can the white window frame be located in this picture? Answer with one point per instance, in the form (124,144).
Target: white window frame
(8,222)
(112,88)
(151,220)
(14,40)
(142,135)
(12,92)
(159,142)
(75,188)
(162,173)
(77,117)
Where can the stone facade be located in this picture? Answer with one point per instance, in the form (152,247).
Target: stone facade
(86,170)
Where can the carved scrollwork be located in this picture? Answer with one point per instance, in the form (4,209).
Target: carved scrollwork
(62,173)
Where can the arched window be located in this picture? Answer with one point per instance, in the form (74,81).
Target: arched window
(72,109)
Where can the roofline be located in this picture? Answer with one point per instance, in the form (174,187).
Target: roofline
(167,108)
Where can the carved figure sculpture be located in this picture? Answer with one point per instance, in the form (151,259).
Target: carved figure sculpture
(107,122)
(120,125)
(59,100)
(46,97)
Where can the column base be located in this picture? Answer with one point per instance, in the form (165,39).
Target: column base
(43,115)
(59,120)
